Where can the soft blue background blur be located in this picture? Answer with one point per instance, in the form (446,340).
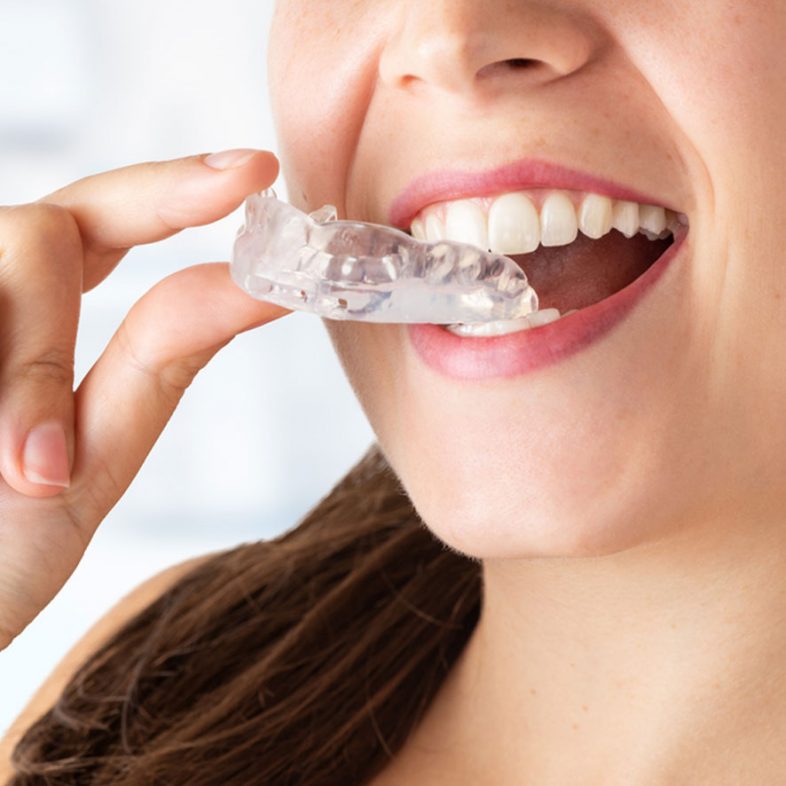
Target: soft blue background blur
(271,424)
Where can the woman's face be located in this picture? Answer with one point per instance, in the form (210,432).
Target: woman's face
(676,416)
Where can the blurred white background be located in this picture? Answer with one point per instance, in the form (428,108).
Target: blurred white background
(271,424)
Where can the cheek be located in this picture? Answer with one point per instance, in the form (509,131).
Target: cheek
(370,355)
(728,87)
(321,77)
(726,92)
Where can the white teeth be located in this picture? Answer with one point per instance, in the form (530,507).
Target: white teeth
(652,219)
(514,225)
(544,317)
(503,327)
(465,222)
(674,222)
(485,329)
(626,218)
(435,229)
(558,223)
(595,216)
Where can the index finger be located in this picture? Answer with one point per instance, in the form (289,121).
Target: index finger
(145,203)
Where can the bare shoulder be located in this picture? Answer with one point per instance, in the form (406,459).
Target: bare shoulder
(110,623)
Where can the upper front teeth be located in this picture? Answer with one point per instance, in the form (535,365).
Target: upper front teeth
(559,225)
(517,223)
(596,215)
(465,222)
(514,224)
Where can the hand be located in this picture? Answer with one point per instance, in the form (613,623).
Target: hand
(66,458)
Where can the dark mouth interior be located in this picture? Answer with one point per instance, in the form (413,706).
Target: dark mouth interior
(587,271)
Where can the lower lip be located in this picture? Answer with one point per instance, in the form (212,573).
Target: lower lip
(528,350)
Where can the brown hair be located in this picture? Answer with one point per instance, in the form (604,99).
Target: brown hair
(306,659)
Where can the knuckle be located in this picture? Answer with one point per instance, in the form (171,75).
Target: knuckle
(88,501)
(55,366)
(37,225)
(171,377)
(175,378)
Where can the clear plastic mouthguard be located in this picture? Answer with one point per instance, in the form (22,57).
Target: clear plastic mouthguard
(369,272)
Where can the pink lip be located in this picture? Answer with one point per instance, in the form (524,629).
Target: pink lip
(519,353)
(444,185)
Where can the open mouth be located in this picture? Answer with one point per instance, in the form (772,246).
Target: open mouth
(587,271)
(576,248)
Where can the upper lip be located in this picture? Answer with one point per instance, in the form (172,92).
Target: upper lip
(445,185)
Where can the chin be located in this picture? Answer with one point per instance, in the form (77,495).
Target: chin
(502,516)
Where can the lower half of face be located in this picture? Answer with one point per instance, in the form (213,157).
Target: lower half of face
(649,413)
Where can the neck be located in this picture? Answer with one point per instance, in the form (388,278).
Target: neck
(661,664)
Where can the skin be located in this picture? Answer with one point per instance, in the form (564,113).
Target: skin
(627,503)
(57,487)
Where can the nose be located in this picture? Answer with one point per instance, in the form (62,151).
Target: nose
(465,46)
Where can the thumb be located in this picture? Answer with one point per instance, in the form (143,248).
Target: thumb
(129,395)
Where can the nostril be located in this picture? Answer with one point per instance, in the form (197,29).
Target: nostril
(520,62)
(513,64)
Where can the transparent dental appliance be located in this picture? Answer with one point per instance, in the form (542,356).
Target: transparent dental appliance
(369,272)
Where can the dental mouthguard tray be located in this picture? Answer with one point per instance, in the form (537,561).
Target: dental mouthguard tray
(368,272)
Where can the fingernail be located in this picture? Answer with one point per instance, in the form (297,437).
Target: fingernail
(45,455)
(230,159)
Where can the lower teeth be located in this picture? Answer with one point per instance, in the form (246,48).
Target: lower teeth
(503,327)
